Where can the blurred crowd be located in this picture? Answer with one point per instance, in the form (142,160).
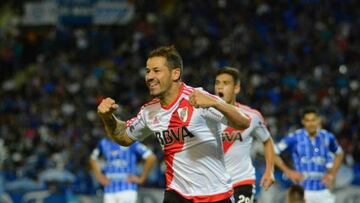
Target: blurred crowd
(290,54)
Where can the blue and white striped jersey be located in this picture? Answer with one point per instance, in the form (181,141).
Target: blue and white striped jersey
(311,157)
(120,163)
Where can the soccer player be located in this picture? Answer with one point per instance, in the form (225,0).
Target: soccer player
(295,194)
(119,181)
(311,148)
(187,123)
(237,143)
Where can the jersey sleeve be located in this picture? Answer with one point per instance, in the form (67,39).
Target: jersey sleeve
(285,143)
(334,145)
(260,131)
(214,115)
(136,127)
(97,151)
(141,150)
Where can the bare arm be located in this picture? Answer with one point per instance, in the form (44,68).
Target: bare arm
(292,174)
(235,118)
(268,178)
(337,163)
(149,163)
(103,180)
(115,128)
(329,178)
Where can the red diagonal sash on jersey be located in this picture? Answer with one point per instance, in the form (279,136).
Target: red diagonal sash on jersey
(180,117)
(229,137)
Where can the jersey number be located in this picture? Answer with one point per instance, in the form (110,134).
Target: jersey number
(243,199)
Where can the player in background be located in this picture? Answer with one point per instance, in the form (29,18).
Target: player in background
(237,143)
(311,148)
(187,123)
(295,194)
(120,181)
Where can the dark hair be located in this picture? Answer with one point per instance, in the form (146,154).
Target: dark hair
(295,194)
(309,109)
(235,74)
(173,58)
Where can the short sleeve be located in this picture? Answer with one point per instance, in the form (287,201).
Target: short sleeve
(285,143)
(136,127)
(334,145)
(97,151)
(260,131)
(141,150)
(214,115)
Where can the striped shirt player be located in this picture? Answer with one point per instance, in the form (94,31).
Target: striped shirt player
(237,145)
(120,163)
(312,158)
(192,146)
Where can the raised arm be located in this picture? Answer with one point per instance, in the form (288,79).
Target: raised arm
(115,128)
(235,118)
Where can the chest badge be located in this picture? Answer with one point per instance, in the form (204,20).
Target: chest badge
(183,113)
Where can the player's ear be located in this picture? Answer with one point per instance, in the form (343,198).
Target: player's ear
(176,74)
(237,88)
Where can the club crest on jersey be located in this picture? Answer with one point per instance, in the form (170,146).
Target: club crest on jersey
(183,113)
(156,120)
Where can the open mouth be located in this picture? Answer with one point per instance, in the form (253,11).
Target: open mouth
(221,94)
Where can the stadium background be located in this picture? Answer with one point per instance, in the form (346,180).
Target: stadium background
(59,58)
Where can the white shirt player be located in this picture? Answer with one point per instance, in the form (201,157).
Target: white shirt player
(237,145)
(192,146)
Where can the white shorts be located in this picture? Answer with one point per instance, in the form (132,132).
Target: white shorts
(316,196)
(127,196)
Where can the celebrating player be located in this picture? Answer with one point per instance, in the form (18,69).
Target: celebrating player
(237,143)
(187,123)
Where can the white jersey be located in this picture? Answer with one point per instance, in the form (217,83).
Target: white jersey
(190,138)
(237,145)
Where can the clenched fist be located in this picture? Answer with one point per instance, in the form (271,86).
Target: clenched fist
(202,100)
(107,107)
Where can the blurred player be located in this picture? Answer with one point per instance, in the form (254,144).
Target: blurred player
(187,123)
(295,194)
(237,143)
(119,181)
(311,147)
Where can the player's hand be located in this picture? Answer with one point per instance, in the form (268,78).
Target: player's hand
(107,107)
(267,180)
(103,180)
(201,100)
(295,176)
(135,179)
(329,181)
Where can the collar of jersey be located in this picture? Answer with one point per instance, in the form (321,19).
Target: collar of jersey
(175,100)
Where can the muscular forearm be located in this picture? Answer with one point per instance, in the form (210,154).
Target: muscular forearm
(116,130)
(269,154)
(235,118)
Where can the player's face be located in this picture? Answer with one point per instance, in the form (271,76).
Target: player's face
(311,122)
(158,77)
(226,88)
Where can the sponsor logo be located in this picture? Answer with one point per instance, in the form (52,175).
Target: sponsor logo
(231,136)
(173,135)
